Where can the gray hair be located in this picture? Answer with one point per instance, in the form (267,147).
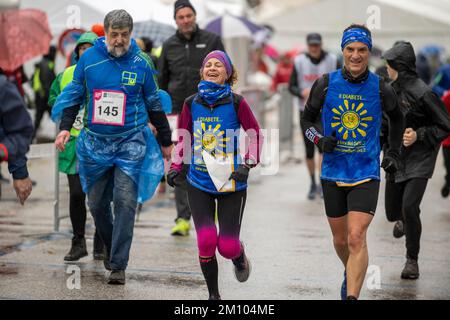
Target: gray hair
(118,19)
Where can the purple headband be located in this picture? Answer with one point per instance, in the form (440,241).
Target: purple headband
(222,57)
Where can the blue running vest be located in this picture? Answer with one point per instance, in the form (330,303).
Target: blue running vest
(353,110)
(214,130)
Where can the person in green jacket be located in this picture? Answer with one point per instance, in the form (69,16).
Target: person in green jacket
(68,163)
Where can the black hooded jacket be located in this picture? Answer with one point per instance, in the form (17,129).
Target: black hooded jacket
(423,111)
(180,63)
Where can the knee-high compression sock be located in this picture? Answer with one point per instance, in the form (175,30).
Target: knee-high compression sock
(210,271)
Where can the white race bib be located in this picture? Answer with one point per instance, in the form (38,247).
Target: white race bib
(109,107)
(78,124)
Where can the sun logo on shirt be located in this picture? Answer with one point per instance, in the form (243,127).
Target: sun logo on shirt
(350,119)
(210,139)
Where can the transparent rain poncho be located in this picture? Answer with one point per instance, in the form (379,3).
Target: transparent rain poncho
(137,154)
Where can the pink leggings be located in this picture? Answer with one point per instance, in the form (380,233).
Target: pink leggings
(230,208)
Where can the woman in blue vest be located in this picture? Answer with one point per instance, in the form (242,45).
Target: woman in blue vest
(351,102)
(208,131)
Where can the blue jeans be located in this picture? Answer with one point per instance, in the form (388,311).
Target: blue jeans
(116,233)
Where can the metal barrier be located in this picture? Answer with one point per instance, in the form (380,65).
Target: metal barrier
(285,118)
(47,150)
(255,98)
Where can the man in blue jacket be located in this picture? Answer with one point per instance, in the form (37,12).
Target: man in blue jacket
(16,130)
(118,154)
(441,82)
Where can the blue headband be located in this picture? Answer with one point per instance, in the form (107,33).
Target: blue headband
(356,35)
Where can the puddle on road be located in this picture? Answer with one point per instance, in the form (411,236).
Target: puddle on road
(147,226)
(173,281)
(393,295)
(7,271)
(307,291)
(8,249)
(6,230)
(11,223)
(31,243)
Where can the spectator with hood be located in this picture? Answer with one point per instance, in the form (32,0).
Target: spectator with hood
(426,124)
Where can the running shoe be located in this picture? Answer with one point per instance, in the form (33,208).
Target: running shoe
(312,192)
(344,287)
(117,277)
(242,266)
(411,269)
(320,191)
(77,250)
(181,228)
(445,191)
(399,229)
(99,253)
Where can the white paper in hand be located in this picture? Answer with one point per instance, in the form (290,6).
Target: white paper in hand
(219,170)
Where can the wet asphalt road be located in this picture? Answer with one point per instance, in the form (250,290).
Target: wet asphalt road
(287,239)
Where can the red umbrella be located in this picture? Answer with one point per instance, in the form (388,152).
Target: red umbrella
(24,34)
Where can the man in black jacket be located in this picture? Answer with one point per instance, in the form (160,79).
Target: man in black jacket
(426,125)
(42,81)
(16,129)
(179,74)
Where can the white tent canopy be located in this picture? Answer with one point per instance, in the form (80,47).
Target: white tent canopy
(421,22)
(162,10)
(65,14)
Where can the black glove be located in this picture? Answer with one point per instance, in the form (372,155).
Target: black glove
(171,175)
(177,179)
(241,174)
(390,162)
(327,144)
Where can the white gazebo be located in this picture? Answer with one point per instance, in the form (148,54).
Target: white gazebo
(421,22)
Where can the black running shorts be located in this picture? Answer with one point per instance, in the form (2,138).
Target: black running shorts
(341,200)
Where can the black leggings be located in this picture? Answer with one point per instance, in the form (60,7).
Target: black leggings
(446,154)
(41,107)
(77,206)
(230,208)
(402,202)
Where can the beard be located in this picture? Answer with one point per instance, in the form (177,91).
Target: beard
(118,51)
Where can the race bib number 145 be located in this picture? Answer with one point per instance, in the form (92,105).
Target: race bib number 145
(109,107)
